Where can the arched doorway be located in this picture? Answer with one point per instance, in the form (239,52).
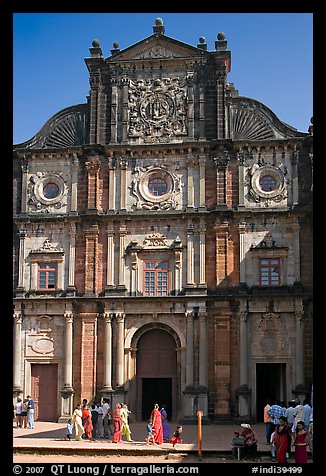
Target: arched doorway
(156,373)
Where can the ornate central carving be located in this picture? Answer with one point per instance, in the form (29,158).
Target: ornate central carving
(157,109)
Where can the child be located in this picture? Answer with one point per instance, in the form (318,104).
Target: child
(69,429)
(150,436)
(273,447)
(176,436)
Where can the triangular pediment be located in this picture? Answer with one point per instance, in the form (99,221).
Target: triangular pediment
(157,47)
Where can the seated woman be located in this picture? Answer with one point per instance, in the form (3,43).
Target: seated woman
(250,441)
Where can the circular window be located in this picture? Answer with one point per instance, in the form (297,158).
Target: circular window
(267,183)
(157,187)
(51,190)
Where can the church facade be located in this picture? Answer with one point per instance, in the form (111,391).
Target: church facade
(163,243)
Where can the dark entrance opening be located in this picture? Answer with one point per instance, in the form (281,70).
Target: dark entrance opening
(156,390)
(270,385)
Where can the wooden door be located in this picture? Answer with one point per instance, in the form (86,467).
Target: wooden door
(156,367)
(44,391)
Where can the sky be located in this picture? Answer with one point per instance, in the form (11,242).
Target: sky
(271,58)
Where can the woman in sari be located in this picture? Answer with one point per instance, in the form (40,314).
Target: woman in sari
(282,439)
(87,421)
(117,424)
(124,413)
(165,425)
(77,421)
(156,419)
(300,443)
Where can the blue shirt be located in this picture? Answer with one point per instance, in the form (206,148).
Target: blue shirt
(31,404)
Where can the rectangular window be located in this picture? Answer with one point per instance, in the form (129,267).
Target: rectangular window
(47,276)
(156,278)
(270,272)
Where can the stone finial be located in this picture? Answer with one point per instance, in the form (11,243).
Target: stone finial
(311,127)
(202,45)
(116,49)
(96,51)
(158,28)
(221,43)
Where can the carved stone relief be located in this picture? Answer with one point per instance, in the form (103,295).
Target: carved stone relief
(266,183)
(155,188)
(47,192)
(157,109)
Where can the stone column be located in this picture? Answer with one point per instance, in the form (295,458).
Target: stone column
(18,320)
(110,257)
(299,374)
(202,349)
(72,254)
(122,237)
(190,350)
(74,184)
(125,84)
(241,169)
(120,317)
(190,102)
(94,79)
(91,237)
(295,183)
(178,265)
(242,230)
(92,167)
(202,181)
(114,110)
(25,168)
(112,183)
(123,182)
(244,391)
(134,273)
(107,364)
(21,260)
(222,231)
(68,366)
(220,104)
(67,391)
(202,252)
(296,246)
(190,254)
(190,181)
(221,164)
(201,112)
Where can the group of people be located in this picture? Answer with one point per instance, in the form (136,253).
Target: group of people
(88,422)
(24,412)
(289,427)
(158,428)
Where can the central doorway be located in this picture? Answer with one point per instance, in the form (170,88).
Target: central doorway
(156,373)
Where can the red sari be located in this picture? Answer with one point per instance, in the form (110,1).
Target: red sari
(117,424)
(156,418)
(87,422)
(282,442)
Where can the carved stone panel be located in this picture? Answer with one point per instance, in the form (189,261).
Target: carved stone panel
(157,109)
